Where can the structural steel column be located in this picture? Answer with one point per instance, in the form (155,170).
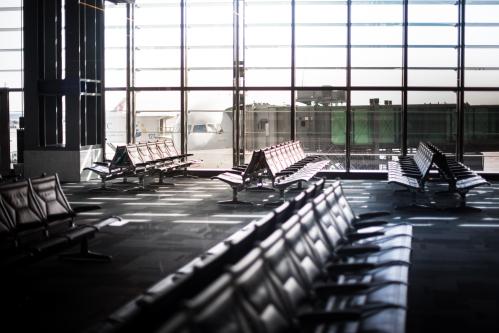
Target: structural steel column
(73,68)
(31,70)
(4,132)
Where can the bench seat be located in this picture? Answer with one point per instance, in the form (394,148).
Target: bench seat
(36,220)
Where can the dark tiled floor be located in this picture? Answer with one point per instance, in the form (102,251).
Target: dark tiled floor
(454,278)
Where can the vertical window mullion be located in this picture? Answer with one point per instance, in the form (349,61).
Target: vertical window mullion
(460,82)
(348,130)
(404,75)
(293,70)
(183,92)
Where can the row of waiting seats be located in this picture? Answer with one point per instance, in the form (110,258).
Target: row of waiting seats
(460,177)
(309,265)
(413,172)
(285,164)
(36,220)
(159,158)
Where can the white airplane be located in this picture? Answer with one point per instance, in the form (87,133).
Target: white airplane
(206,130)
(209,130)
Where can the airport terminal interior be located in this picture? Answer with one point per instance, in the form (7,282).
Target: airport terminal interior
(249,166)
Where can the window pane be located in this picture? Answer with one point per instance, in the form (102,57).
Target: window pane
(376,77)
(321,38)
(431,116)
(267,118)
(158,116)
(209,123)
(376,129)
(11,37)
(320,124)
(320,77)
(157,44)
(209,43)
(482,45)
(481,131)
(16,111)
(115,120)
(268,43)
(115,48)
(11,64)
(432,41)
(376,42)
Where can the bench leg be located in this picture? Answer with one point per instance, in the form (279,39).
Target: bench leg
(85,254)
(235,200)
(103,187)
(142,186)
(462,204)
(277,202)
(260,187)
(161,182)
(463,208)
(415,205)
(185,174)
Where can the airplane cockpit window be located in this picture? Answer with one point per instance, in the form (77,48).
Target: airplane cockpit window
(199,129)
(205,128)
(189,128)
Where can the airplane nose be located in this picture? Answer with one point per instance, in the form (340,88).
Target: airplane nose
(199,141)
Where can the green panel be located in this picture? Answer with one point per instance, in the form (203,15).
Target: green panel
(338,126)
(361,127)
(386,126)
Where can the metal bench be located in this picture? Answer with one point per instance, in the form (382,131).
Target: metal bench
(412,172)
(159,158)
(36,220)
(240,180)
(461,178)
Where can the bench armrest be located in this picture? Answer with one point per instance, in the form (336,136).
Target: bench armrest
(319,317)
(341,268)
(365,216)
(351,250)
(367,224)
(81,209)
(357,235)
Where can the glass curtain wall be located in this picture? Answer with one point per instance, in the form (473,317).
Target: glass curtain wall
(11,64)
(433,62)
(376,61)
(115,76)
(357,80)
(156,38)
(481,108)
(209,54)
(321,73)
(343,77)
(155,70)
(432,117)
(267,55)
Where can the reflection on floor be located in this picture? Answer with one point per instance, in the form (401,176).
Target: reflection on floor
(454,278)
